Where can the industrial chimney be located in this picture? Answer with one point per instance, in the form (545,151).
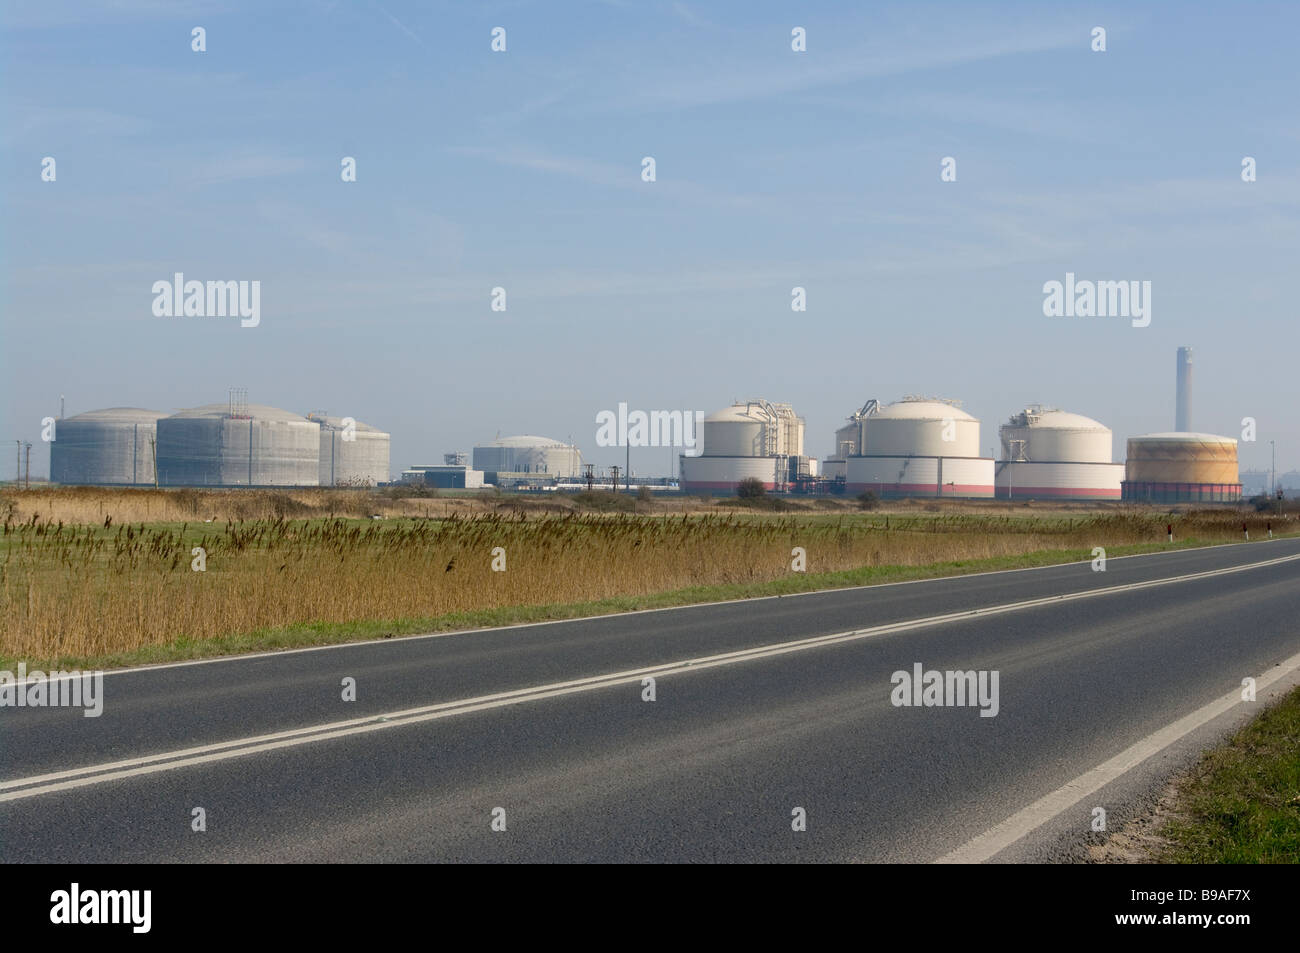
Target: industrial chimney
(1183,400)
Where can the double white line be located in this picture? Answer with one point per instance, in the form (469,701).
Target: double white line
(36,785)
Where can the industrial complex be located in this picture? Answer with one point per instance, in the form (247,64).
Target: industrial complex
(220,445)
(916,446)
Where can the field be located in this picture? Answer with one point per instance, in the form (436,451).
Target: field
(91,576)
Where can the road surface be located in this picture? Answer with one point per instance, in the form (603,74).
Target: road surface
(1107,682)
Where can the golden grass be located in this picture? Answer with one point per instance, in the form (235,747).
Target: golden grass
(95,589)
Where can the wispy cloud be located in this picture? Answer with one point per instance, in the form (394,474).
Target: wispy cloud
(610,175)
(245,166)
(720,78)
(400,25)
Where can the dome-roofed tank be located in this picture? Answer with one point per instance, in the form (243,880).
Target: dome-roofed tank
(754,428)
(352,453)
(238,445)
(920,426)
(111,447)
(1041,435)
(527,453)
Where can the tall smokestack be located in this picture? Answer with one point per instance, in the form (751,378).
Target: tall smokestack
(1183,401)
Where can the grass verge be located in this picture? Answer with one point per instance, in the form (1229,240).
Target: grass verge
(334,633)
(1241,804)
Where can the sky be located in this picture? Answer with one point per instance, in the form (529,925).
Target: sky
(522,169)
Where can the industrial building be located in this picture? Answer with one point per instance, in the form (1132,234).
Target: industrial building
(238,444)
(351,453)
(111,447)
(1052,454)
(1181,468)
(918,446)
(508,460)
(450,476)
(753,439)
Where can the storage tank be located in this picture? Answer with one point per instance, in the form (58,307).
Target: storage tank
(735,431)
(917,426)
(723,474)
(1053,454)
(111,447)
(355,455)
(754,438)
(1182,468)
(251,445)
(528,454)
(919,446)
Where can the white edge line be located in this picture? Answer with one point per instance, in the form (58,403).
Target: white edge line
(34,785)
(1028,819)
(239,657)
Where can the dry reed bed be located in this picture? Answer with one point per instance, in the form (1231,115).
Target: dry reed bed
(90,590)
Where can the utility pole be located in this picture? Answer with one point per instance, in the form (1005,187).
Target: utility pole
(28,483)
(627,473)
(153,448)
(614,469)
(587,472)
(1272,482)
(18,463)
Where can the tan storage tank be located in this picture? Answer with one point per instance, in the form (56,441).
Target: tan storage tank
(1182,468)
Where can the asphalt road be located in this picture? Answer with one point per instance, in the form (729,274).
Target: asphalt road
(712,768)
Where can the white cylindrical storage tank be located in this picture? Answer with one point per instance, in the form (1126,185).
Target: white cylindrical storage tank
(1055,436)
(258,446)
(735,431)
(894,476)
(1059,481)
(528,454)
(918,427)
(723,474)
(848,439)
(111,447)
(1053,454)
(351,453)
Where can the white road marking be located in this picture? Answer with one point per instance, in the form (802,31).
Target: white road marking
(21,788)
(1001,836)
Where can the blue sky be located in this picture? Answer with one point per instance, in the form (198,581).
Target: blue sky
(522,169)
